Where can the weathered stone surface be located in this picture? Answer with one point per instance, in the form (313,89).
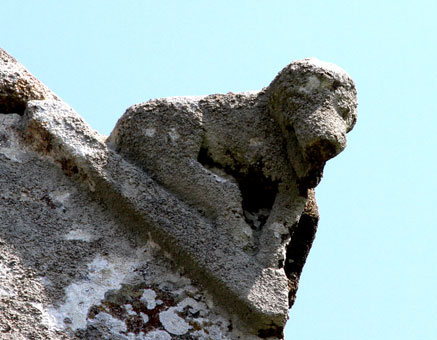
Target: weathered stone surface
(239,281)
(214,193)
(71,269)
(18,86)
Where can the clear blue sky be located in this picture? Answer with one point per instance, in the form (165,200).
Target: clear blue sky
(372,272)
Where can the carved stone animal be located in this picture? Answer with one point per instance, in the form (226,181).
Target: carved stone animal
(245,160)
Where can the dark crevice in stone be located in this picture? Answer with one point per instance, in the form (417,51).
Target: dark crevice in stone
(274,331)
(68,167)
(311,180)
(298,248)
(257,191)
(9,104)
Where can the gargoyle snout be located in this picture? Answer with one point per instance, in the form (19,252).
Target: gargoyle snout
(321,135)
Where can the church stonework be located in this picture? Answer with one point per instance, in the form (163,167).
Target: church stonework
(192,220)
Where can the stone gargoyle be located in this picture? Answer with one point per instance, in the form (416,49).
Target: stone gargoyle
(248,160)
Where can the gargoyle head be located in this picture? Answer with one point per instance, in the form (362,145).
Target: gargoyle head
(315,104)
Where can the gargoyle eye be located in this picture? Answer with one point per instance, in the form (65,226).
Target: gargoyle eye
(345,111)
(335,85)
